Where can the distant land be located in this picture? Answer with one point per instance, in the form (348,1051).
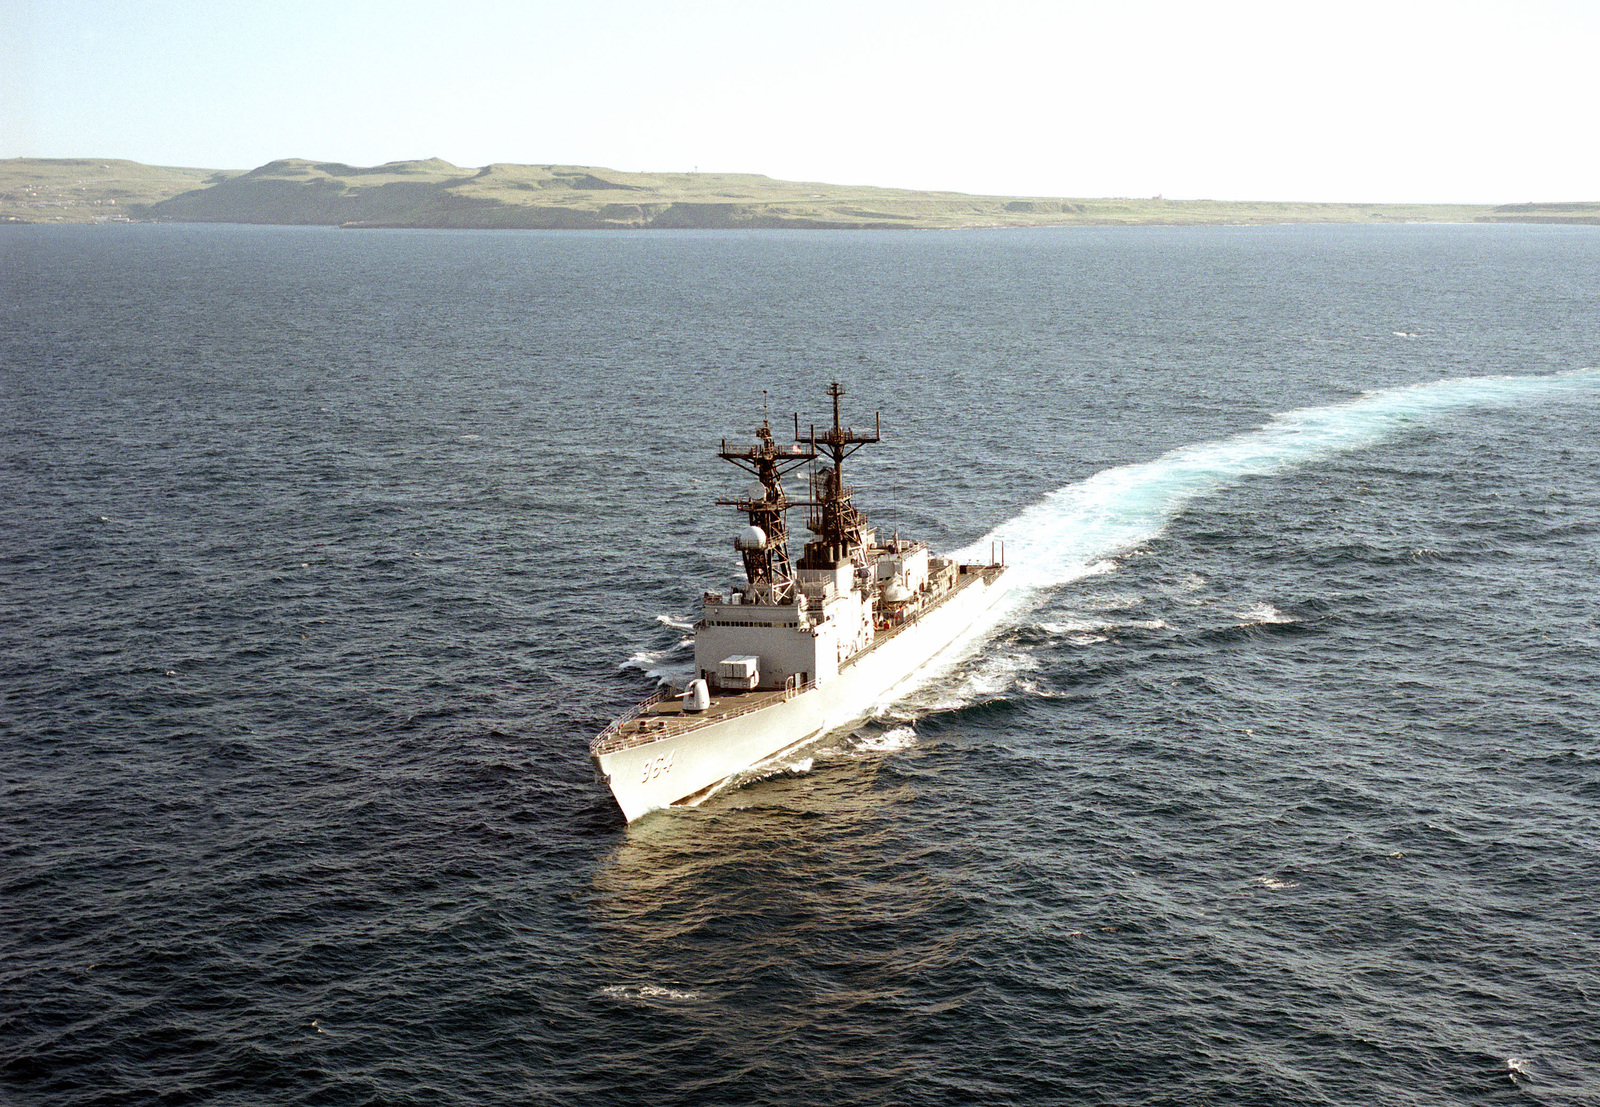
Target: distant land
(434,193)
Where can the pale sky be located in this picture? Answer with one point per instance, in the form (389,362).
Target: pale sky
(1466,102)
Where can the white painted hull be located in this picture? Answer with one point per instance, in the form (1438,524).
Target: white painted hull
(686,766)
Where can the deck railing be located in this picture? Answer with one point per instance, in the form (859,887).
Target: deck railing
(627,717)
(610,739)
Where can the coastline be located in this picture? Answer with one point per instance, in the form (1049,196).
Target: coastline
(435,194)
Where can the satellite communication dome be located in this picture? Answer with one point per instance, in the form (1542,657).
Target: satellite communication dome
(753,536)
(756,491)
(896,592)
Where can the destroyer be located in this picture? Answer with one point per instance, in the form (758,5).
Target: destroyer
(799,648)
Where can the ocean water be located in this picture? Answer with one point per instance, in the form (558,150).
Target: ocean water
(323,554)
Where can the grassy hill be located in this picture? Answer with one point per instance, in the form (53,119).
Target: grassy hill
(90,190)
(1545,213)
(434,193)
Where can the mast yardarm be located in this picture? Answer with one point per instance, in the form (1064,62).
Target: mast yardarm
(834,520)
(766,558)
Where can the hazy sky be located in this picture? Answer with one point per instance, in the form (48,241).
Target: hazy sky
(1471,102)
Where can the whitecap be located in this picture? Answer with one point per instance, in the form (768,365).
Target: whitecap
(896,738)
(644,993)
(1109,601)
(1075,630)
(1263,614)
(1071,626)
(668,666)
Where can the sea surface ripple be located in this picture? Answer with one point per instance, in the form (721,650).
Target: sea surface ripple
(324,554)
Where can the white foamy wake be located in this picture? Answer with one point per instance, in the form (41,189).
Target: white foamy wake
(988,677)
(1080,529)
(898,733)
(1072,531)
(1066,628)
(673,665)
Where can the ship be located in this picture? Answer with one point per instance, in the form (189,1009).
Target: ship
(798,648)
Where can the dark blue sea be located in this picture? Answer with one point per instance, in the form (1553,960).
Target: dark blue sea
(324,553)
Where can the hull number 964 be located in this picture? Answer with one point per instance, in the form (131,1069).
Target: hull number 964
(658,766)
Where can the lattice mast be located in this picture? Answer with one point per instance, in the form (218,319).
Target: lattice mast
(835,521)
(766,556)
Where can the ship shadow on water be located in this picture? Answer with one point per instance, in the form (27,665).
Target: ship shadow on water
(762,922)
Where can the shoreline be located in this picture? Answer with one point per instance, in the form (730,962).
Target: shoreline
(436,195)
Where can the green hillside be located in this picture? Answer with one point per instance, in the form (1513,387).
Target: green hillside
(90,190)
(434,193)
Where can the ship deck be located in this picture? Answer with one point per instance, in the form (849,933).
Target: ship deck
(662,715)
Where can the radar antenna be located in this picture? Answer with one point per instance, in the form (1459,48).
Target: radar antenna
(836,522)
(765,547)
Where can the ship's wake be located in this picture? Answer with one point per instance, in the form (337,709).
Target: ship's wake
(1081,529)
(1076,529)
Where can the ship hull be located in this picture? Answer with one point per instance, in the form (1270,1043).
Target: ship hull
(686,767)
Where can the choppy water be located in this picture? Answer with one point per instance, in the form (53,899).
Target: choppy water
(325,553)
